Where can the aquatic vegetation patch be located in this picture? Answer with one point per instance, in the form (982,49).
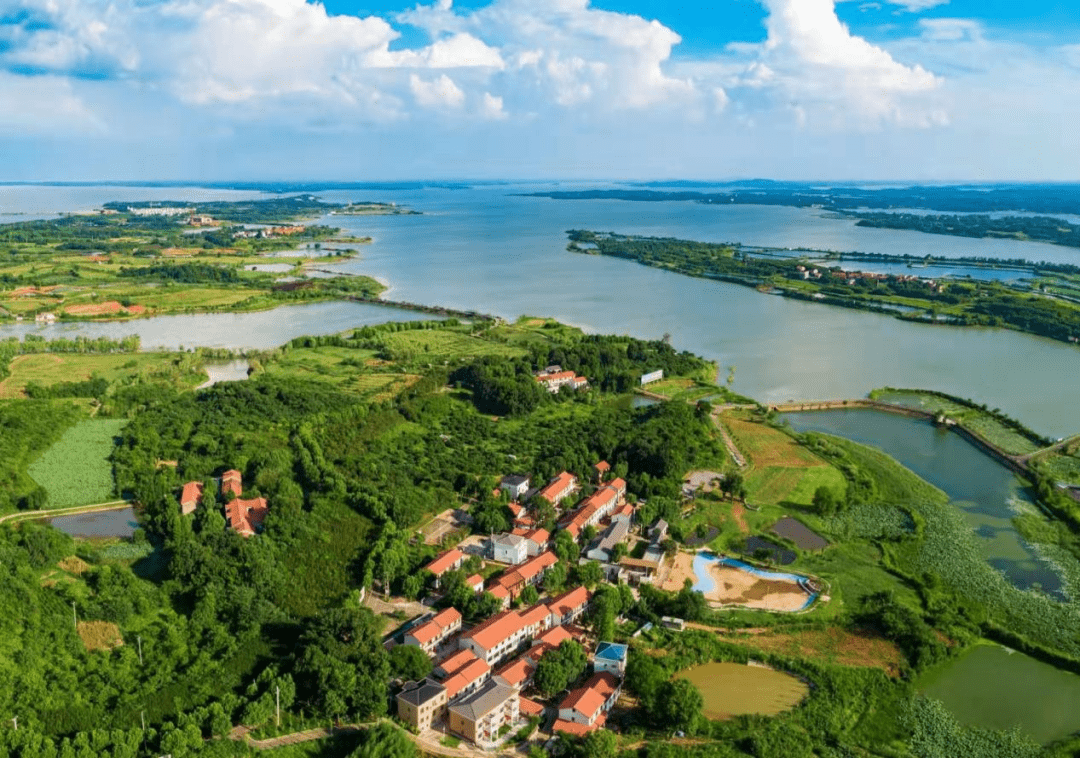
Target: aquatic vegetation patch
(76,470)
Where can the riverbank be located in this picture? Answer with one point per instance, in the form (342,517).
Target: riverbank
(941,301)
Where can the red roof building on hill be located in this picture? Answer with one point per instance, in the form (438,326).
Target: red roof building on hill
(232,481)
(189,498)
(245,517)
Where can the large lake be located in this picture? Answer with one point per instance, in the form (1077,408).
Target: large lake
(487,250)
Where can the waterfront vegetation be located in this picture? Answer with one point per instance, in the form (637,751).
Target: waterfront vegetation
(1056,231)
(956,301)
(127,265)
(357,440)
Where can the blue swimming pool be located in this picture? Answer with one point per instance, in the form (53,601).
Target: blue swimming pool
(705,582)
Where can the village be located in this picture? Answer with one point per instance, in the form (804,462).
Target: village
(481,687)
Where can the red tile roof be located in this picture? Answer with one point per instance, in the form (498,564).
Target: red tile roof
(535,566)
(192,492)
(456,662)
(470,673)
(554,637)
(529,707)
(245,516)
(474,581)
(561,482)
(232,481)
(445,562)
(603,467)
(591,697)
(517,672)
(499,627)
(575,729)
(569,601)
(435,627)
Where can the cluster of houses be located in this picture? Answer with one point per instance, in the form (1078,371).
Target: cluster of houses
(554,379)
(479,674)
(852,277)
(245,517)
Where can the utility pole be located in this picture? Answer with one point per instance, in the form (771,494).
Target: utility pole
(74,614)
(138,639)
(15,721)
(278,691)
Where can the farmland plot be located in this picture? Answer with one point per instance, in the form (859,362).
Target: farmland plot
(76,469)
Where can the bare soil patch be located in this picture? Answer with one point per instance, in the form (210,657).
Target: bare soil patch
(109,307)
(735,587)
(74,565)
(100,635)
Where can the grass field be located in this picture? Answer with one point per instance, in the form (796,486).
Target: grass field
(76,469)
(50,368)
(445,344)
(1064,468)
(782,470)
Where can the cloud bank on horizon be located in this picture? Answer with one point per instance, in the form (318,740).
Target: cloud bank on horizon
(524,88)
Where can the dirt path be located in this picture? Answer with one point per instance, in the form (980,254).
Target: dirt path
(78,510)
(738,512)
(729,443)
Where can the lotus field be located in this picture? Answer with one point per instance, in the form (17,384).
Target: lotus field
(76,470)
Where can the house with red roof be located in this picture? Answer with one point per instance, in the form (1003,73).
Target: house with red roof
(501,635)
(567,607)
(508,585)
(246,517)
(586,708)
(232,481)
(448,561)
(190,497)
(537,540)
(518,673)
(561,486)
(432,633)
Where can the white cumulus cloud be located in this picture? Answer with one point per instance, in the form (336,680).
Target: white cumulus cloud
(439,93)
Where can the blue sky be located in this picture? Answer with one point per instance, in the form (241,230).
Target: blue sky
(376,89)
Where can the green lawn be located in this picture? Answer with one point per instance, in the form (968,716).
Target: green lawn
(444,345)
(76,469)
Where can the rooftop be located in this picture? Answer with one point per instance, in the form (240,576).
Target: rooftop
(443,563)
(418,693)
(490,696)
(590,697)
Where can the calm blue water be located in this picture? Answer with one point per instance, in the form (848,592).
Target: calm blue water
(485,250)
(121,523)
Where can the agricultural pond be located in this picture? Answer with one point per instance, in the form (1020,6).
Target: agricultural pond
(119,523)
(229,371)
(984,490)
(997,688)
(735,689)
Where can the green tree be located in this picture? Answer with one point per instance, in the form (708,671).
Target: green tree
(529,595)
(343,668)
(560,667)
(566,548)
(384,740)
(826,501)
(677,705)
(409,662)
(590,574)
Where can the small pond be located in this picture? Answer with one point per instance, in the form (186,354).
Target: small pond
(119,523)
(997,688)
(231,371)
(735,689)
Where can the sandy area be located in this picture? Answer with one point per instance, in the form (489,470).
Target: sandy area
(678,570)
(735,587)
(95,309)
